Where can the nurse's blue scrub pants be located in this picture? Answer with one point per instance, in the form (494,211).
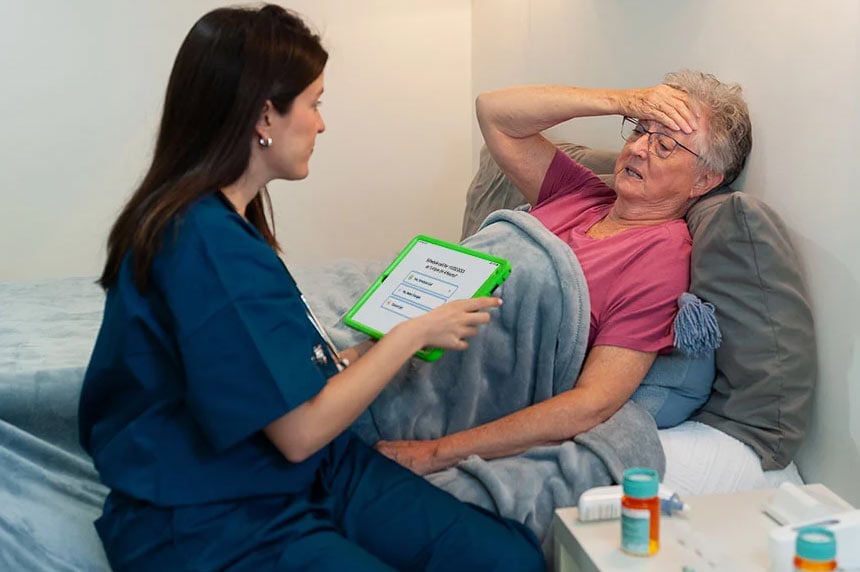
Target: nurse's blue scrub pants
(365,512)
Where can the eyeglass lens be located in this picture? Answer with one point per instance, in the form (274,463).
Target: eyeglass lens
(658,143)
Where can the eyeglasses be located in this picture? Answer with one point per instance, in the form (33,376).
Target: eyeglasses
(660,144)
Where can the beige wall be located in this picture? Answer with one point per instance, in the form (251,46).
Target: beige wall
(798,62)
(83,84)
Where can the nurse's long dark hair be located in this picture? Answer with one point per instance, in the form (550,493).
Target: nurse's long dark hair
(229,64)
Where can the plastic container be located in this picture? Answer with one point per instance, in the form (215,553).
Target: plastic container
(640,512)
(815,550)
(604,503)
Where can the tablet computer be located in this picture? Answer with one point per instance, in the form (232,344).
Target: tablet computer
(425,275)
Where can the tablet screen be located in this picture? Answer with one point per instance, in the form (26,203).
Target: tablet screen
(428,276)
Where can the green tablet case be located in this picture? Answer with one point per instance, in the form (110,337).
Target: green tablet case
(428,354)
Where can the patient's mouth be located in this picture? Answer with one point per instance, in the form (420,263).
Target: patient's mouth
(632,173)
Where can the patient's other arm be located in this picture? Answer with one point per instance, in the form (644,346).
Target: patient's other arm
(609,377)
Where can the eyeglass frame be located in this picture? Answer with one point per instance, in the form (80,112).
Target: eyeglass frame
(636,124)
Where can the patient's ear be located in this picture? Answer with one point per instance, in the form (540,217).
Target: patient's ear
(705,181)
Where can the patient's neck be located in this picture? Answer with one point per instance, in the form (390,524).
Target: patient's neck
(616,222)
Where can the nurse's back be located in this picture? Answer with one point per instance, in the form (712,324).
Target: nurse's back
(137,409)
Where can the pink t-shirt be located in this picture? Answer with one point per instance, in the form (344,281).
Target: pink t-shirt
(634,277)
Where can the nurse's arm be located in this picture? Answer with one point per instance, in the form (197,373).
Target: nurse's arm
(355,352)
(310,426)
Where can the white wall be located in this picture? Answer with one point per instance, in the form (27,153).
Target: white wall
(83,83)
(798,63)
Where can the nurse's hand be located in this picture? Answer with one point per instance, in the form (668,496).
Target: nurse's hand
(449,325)
(420,457)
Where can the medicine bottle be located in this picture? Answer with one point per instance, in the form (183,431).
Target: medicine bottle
(815,550)
(640,512)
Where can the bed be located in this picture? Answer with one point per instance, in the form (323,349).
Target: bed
(743,437)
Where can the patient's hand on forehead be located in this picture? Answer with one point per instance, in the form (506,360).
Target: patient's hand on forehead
(664,104)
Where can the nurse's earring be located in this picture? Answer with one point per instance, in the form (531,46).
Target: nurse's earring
(265,141)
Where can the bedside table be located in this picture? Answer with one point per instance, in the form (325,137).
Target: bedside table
(726,532)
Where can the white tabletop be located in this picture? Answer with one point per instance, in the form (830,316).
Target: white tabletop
(720,532)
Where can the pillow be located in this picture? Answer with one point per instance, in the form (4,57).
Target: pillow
(675,386)
(744,264)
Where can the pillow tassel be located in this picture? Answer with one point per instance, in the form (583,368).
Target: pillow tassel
(696,328)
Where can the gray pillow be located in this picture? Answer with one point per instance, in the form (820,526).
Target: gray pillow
(743,263)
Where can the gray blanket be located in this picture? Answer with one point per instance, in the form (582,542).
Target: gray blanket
(531,350)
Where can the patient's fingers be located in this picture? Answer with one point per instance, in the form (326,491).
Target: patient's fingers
(663,104)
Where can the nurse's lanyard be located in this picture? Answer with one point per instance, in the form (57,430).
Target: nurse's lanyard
(319,356)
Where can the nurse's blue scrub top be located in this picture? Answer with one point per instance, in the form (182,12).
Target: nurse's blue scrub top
(184,377)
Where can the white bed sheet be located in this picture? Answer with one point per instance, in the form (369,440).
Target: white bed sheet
(702,460)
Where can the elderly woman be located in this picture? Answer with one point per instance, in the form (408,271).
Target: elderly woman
(683,139)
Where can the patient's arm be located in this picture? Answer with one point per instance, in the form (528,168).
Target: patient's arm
(512,120)
(608,379)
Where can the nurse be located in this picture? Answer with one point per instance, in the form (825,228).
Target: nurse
(213,407)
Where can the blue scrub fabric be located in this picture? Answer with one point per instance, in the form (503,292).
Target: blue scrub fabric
(183,378)
(363,513)
(184,375)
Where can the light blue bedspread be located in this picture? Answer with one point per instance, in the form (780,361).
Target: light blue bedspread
(49,492)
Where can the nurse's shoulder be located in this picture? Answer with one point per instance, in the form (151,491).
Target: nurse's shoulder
(211,239)
(210,224)
(213,217)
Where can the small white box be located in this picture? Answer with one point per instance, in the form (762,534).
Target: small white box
(845,526)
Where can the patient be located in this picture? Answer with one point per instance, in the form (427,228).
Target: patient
(684,138)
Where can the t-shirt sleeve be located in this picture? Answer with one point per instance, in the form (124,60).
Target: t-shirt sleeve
(565,175)
(643,311)
(241,329)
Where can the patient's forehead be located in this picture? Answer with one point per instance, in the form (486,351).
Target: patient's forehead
(688,139)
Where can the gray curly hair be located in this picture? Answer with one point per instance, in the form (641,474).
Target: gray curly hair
(729,138)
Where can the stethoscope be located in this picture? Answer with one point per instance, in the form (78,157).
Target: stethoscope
(319,356)
(321,353)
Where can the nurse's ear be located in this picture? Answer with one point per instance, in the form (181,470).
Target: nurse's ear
(264,124)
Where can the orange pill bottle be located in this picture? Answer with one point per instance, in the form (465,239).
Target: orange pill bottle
(640,512)
(815,550)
